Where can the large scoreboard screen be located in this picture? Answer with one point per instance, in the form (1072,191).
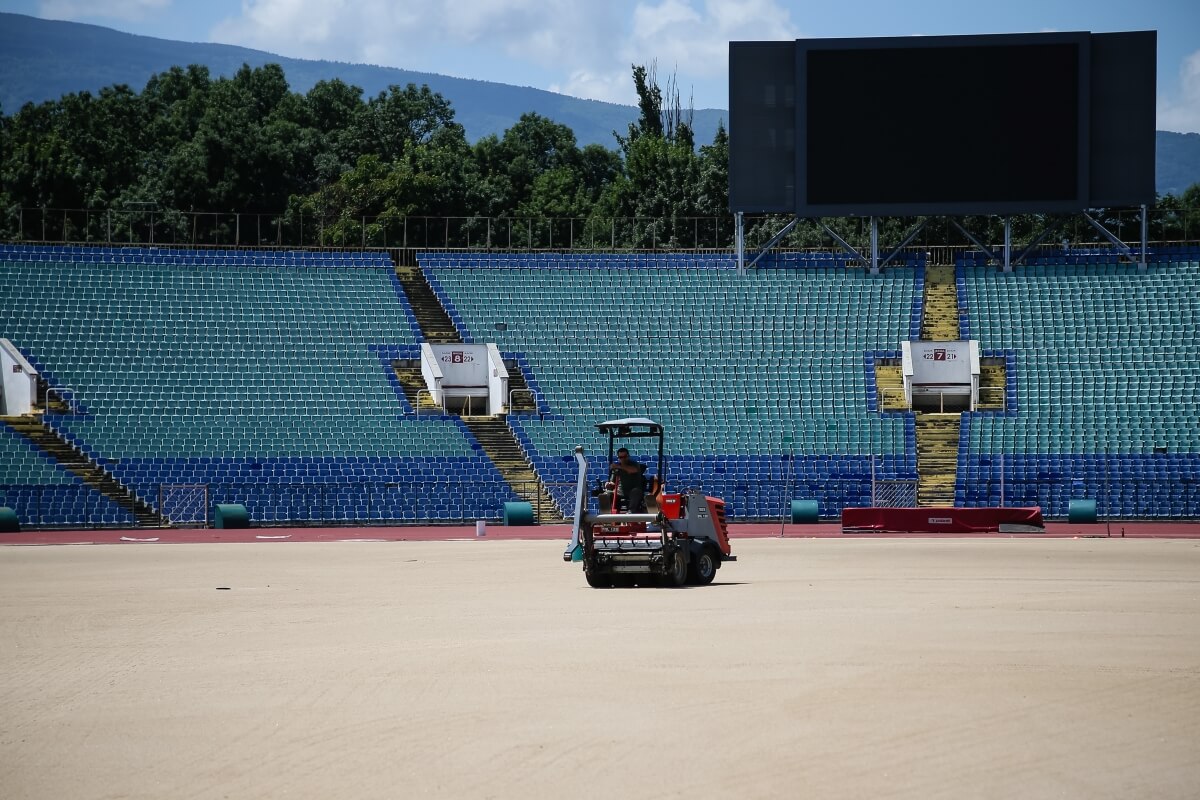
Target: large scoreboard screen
(1051,122)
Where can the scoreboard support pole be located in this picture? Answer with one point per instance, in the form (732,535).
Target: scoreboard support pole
(776,239)
(1008,244)
(1125,249)
(987,251)
(1145,235)
(739,241)
(874,245)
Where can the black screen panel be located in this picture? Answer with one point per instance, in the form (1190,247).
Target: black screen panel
(762,126)
(943,126)
(901,126)
(1124,73)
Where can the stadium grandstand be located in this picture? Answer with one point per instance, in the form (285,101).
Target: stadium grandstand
(298,383)
(149,385)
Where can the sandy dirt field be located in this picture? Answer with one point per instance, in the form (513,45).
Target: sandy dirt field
(894,668)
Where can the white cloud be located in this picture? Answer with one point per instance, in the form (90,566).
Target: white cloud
(1182,112)
(405,34)
(613,86)
(577,47)
(695,41)
(132,10)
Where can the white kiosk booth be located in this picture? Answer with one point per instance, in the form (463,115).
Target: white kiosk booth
(468,379)
(941,376)
(18,391)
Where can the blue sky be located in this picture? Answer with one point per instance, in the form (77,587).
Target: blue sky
(585,47)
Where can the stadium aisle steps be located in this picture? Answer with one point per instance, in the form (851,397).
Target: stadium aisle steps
(992,379)
(436,325)
(889,383)
(937,434)
(95,476)
(937,458)
(408,371)
(502,448)
(940,320)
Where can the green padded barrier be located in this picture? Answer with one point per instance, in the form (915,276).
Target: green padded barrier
(1081,511)
(518,514)
(231,515)
(804,511)
(8,520)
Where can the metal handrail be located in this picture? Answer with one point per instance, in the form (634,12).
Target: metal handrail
(512,392)
(432,399)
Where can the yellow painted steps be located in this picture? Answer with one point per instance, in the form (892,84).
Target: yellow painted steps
(498,443)
(413,384)
(937,458)
(939,322)
(435,323)
(992,381)
(889,386)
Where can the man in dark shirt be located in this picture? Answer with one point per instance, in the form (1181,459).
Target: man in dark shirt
(631,474)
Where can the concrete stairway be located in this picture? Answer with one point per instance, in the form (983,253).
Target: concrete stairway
(993,375)
(409,372)
(436,325)
(937,434)
(937,458)
(939,322)
(502,448)
(95,476)
(889,386)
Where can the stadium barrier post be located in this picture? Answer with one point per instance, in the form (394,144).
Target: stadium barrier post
(1002,480)
(1107,497)
(874,487)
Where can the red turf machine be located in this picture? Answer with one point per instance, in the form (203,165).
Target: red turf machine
(680,538)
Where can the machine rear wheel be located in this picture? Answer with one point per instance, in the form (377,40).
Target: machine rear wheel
(703,568)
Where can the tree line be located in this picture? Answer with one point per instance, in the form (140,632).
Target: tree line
(357,167)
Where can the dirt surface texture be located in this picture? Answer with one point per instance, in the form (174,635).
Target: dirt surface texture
(824,668)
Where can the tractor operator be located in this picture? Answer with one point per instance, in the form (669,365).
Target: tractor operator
(631,475)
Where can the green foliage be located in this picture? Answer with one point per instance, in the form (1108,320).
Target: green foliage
(331,166)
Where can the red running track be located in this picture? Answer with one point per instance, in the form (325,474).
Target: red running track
(1132,530)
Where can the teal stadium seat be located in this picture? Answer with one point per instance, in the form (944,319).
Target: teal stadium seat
(271,375)
(742,370)
(1105,375)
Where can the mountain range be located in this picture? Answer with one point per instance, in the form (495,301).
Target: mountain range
(43,59)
